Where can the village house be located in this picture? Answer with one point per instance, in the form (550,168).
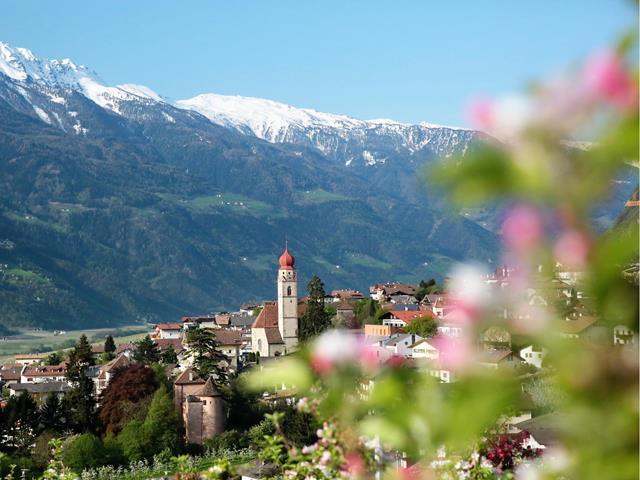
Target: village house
(40,391)
(126,349)
(399,344)
(10,373)
(345,296)
(384,291)
(108,370)
(402,318)
(498,359)
(230,344)
(533,355)
(167,331)
(30,358)
(202,321)
(44,373)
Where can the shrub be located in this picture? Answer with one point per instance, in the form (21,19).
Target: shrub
(82,452)
(229,440)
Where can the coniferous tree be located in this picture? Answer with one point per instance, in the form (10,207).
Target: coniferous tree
(109,349)
(147,351)
(51,414)
(169,356)
(208,360)
(315,319)
(79,403)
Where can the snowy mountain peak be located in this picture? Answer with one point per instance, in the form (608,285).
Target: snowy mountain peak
(23,66)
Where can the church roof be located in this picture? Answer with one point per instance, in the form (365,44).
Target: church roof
(287,261)
(268,317)
(208,390)
(273,335)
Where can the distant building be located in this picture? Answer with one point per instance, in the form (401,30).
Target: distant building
(108,370)
(44,373)
(168,331)
(275,331)
(39,391)
(203,414)
(402,318)
(30,358)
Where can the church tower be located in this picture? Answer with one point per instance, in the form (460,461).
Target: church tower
(288,300)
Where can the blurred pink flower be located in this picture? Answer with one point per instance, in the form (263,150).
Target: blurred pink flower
(336,348)
(480,113)
(522,229)
(454,353)
(572,249)
(606,78)
(529,319)
(354,464)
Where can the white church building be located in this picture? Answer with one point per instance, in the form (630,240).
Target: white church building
(275,330)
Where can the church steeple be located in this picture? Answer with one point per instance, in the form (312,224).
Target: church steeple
(288,300)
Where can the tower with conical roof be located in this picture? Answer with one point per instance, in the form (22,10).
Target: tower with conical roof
(288,300)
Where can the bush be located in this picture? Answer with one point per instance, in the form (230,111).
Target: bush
(229,440)
(82,452)
(132,441)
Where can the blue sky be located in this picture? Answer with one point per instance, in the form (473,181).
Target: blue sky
(406,60)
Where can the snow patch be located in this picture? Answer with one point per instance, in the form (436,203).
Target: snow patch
(42,114)
(168,117)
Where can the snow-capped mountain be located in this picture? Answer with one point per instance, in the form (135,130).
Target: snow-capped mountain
(340,137)
(49,89)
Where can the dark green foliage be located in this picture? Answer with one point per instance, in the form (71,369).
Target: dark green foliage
(244,407)
(41,451)
(427,287)
(109,345)
(52,415)
(80,358)
(299,428)
(160,374)
(147,351)
(169,356)
(206,355)
(79,406)
(15,464)
(315,319)
(366,310)
(228,440)
(19,423)
(54,358)
(82,452)
(426,327)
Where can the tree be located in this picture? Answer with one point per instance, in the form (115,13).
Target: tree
(51,414)
(79,403)
(54,358)
(208,360)
(20,422)
(426,327)
(315,319)
(366,310)
(80,358)
(147,351)
(161,424)
(82,452)
(122,400)
(169,356)
(109,345)
(427,288)
(132,441)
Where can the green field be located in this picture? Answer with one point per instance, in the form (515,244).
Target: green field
(32,341)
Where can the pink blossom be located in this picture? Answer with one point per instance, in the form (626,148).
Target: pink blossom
(481,114)
(354,464)
(454,353)
(572,249)
(606,78)
(530,319)
(522,229)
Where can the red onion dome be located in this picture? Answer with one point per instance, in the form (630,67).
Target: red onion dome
(286,259)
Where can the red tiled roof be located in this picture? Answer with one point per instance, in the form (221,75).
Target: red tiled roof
(225,336)
(32,356)
(408,316)
(124,347)
(268,317)
(273,335)
(45,370)
(163,344)
(169,326)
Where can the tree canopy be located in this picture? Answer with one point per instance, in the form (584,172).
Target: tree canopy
(315,319)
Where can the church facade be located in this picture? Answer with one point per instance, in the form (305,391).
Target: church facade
(275,330)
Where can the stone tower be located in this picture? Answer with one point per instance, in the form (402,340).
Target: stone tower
(204,414)
(288,300)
